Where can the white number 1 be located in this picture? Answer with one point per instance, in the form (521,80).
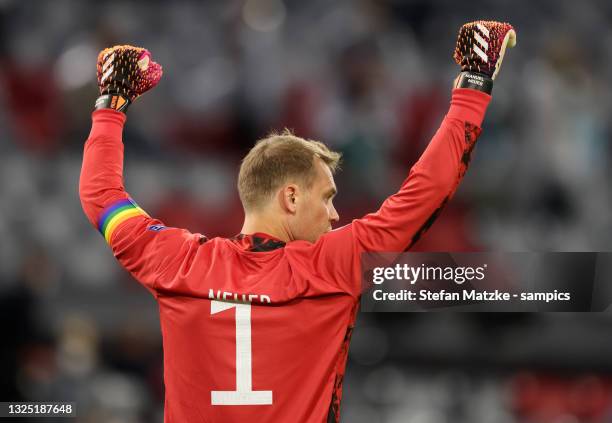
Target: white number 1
(244,394)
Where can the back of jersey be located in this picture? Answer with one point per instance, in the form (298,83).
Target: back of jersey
(255,342)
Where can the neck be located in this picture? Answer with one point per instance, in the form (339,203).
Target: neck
(271,225)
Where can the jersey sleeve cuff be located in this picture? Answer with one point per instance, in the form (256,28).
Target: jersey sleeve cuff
(469,105)
(107,122)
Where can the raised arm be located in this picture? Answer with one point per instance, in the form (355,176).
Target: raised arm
(404,216)
(144,246)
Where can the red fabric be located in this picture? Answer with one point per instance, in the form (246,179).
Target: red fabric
(299,340)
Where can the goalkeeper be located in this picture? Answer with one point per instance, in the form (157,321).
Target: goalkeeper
(256,327)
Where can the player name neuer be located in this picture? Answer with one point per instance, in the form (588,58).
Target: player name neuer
(232,296)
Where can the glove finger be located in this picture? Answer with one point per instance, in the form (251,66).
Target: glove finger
(511,38)
(461,46)
(150,72)
(509,41)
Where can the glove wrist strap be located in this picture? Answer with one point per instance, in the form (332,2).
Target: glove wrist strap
(475,81)
(113,101)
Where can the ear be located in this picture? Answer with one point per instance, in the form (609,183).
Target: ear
(289,196)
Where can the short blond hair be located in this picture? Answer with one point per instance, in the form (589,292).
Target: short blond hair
(277,159)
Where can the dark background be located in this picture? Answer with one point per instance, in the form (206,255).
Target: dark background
(370,78)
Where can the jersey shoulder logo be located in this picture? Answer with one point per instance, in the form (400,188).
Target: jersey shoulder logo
(157,228)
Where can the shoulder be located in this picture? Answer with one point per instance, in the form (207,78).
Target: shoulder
(330,248)
(332,239)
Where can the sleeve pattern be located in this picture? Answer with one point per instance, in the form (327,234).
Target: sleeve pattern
(472,132)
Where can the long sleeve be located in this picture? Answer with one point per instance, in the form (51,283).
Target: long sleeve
(404,216)
(143,245)
(432,181)
(101,182)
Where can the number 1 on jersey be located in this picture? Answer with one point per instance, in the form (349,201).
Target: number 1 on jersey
(244,394)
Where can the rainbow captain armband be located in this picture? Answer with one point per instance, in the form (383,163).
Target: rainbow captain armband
(116,214)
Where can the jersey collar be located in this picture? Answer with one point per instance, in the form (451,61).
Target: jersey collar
(258,242)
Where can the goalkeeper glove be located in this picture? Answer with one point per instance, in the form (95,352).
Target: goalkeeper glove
(124,73)
(480,49)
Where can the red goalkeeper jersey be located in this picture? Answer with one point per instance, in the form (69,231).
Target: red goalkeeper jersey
(256,330)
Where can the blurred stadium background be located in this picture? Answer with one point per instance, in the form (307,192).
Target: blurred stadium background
(370,78)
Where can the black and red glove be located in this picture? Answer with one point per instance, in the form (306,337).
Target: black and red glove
(124,73)
(480,50)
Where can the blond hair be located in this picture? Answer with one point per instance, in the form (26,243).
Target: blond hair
(277,159)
